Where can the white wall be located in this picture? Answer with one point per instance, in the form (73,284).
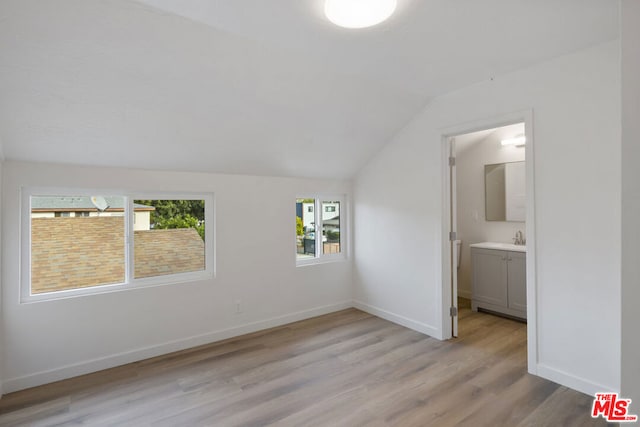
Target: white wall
(46,341)
(630,14)
(398,208)
(472,224)
(2,346)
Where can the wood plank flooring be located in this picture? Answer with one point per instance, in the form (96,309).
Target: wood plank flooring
(343,369)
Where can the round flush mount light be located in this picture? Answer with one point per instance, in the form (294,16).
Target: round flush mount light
(358,13)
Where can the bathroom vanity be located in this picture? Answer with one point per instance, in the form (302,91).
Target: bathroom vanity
(499,278)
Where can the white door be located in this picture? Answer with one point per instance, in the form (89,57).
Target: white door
(452,238)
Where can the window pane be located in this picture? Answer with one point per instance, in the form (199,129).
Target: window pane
(331,227)
(72,251)
(305,228)
(168,237)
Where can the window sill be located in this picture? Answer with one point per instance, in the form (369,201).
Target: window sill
(151,282)
(321,260)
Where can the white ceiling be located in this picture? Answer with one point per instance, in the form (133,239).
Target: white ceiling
(254,86)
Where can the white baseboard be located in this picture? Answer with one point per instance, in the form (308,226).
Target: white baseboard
(424,328)
(85,367)
(464,294)
(568,380)
(111,361)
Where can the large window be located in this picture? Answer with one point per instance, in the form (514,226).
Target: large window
(319,229)
(79,242)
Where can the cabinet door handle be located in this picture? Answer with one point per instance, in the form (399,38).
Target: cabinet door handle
(504,258)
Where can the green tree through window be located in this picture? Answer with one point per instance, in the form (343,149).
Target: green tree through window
(176,214)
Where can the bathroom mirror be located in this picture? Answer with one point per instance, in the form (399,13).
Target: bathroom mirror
(504,191)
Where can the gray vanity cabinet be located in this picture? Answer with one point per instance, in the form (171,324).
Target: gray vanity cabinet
(517,282)
(499,281)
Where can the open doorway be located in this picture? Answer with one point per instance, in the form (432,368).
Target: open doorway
(489,239)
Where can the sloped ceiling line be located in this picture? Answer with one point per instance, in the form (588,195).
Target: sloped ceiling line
(253,87)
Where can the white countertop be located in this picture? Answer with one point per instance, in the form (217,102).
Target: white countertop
(500,246)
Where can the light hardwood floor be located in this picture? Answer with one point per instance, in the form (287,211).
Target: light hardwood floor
(343,369)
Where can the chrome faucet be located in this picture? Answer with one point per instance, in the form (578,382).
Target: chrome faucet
(519,239)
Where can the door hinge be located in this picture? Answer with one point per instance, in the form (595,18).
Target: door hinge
(453,236)
(453,311)
(452,161)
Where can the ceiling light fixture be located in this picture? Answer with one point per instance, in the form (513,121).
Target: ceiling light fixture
(518,141)
(358,13)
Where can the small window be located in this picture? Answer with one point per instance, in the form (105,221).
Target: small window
(319,238)
(114,241)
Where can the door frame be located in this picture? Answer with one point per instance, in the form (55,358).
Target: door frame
(446,134)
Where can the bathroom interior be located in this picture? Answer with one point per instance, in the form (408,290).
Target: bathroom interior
(490,219)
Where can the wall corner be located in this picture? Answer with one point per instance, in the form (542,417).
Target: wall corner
(630,132)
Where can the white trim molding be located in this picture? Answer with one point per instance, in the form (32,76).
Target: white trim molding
(421,327)
(343,226)
(571,381)
(129,281)
(98,364)
(446,133)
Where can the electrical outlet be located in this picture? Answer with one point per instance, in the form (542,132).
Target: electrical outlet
(238,304)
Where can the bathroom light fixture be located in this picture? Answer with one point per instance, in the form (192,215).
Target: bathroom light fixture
(518,141)
(358,13)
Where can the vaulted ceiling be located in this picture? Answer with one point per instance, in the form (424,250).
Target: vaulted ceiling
(263,87)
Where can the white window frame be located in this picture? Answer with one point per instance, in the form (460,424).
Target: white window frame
(321,258)
(130,282)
